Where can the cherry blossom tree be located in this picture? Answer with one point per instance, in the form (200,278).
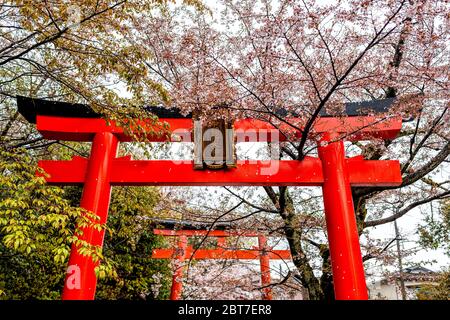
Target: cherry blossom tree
(255,57)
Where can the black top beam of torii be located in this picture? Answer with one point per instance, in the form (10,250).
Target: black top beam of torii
(31,107)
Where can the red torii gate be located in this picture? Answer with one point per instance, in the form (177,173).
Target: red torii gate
(332,170)
(183,252)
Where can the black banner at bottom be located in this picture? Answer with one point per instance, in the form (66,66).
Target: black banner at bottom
(203,310)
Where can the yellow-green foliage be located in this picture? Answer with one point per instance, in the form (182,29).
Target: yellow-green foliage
(33,215)
(37,224)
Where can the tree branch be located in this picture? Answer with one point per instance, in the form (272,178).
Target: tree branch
(402,212)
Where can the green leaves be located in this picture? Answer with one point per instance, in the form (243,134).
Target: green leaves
(33,215)
(435,231)
(61,254)
(127,270)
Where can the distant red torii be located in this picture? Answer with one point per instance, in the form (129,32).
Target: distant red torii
(183,251)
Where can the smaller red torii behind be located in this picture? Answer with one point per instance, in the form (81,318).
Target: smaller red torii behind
(183,252)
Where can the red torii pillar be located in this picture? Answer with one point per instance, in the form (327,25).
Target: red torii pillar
(177,278)
(81,280)
(264,262)
(264,254)
(345,252)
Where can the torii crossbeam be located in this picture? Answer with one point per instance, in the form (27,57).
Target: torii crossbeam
(263,253)
(335,173)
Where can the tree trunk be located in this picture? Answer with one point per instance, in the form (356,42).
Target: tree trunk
(359,205)
(294,235)
(326,280)
(307,277)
